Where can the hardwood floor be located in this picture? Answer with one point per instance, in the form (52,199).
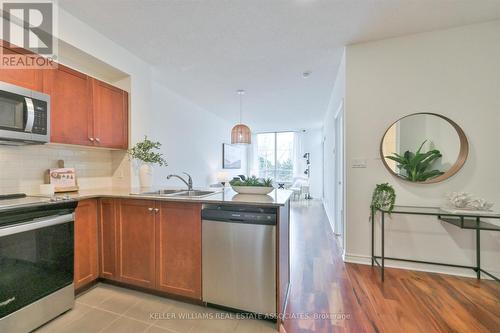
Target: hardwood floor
(408,301)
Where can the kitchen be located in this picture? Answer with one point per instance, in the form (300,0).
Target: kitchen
(139,238)
(76,119)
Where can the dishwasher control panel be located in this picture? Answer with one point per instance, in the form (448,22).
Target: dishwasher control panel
(239,214)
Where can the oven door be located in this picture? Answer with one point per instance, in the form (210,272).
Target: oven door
(36,259)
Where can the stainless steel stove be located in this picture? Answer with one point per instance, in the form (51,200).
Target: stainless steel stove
(36,260)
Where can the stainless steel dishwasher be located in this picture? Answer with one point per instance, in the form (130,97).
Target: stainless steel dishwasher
(239,257)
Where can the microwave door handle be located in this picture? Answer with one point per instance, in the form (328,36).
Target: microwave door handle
(30,119)
(36,224)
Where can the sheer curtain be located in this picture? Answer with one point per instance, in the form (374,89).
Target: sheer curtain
(253,158)
(298,152)
(296,158)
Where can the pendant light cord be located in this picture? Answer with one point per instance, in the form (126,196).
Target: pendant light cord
(241,103)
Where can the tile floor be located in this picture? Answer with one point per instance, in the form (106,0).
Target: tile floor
(106,309)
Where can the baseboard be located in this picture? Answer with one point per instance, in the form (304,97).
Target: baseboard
(463,272)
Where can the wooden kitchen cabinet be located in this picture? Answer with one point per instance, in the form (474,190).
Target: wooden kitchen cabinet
(27,78)
(71,112)
(86,253)
(178,248)
(107,239)
(136,242)
(110,106)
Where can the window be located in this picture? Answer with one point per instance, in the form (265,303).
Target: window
(275,156)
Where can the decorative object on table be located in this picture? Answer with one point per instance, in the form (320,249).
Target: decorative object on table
(231,156)
(463,201)
(222,177)
(252,185)
(144,151)
(415,166)
(240,134)
(63,179)
(383,198)
(442,154)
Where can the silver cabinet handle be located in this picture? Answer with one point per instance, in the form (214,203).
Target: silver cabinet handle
(157,210)
(91,139)
(150,209)
(97,140)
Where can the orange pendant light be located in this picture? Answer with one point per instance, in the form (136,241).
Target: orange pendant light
(240,133)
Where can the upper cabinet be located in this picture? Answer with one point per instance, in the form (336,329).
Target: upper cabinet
(72,115)
(26,78)
(86,111)
(110,106)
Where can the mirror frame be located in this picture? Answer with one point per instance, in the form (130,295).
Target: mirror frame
(462,154)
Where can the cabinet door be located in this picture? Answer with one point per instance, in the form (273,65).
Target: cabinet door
(136,242)
(86,269)
(179,248)
(27,78)
(110,115)
(71,113)
(107,239)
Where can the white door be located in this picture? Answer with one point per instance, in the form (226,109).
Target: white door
(339,174)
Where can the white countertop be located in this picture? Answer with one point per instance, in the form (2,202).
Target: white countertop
(223,196)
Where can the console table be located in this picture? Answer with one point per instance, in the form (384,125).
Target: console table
(470,220)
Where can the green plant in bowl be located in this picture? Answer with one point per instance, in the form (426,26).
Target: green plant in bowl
(252,185)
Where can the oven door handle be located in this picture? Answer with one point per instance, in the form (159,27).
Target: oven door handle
(30,119)
(37,223)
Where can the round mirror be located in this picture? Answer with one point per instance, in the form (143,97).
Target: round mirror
(424,148)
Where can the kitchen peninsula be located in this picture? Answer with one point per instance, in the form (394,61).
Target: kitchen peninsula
(154,242)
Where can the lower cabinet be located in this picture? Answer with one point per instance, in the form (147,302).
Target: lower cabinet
(107,239)
(178,248)
(136,242)
(145,243)
(86,253)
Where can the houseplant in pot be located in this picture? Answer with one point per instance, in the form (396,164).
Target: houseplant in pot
(144,152)
(252,185)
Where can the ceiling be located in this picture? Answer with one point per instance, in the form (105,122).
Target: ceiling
(205,50)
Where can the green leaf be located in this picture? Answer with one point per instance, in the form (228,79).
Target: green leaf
(415,166)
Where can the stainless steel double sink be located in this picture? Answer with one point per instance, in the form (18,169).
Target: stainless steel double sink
(179,193)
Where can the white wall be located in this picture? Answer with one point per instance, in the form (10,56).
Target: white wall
(452,72)
(192,139)
(336,100)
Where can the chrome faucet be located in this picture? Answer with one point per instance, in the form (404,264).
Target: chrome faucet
(189,182)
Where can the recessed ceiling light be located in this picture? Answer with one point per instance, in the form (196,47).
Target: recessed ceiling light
(306,74)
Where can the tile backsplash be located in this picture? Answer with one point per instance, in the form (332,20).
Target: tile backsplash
(22,169)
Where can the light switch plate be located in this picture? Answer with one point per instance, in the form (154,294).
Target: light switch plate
(359,163)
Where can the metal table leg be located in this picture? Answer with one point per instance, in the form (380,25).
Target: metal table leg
(478,249)
(382,263)
(373,231)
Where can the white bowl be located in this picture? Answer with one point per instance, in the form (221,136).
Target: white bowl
(253,189)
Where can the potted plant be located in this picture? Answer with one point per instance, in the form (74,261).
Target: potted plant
(144,151)
(252,185)
(383,198)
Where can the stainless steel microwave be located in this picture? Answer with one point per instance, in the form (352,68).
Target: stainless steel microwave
(24,116)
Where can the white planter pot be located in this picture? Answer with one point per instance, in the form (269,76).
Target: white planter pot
(258,190)
(145,175)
